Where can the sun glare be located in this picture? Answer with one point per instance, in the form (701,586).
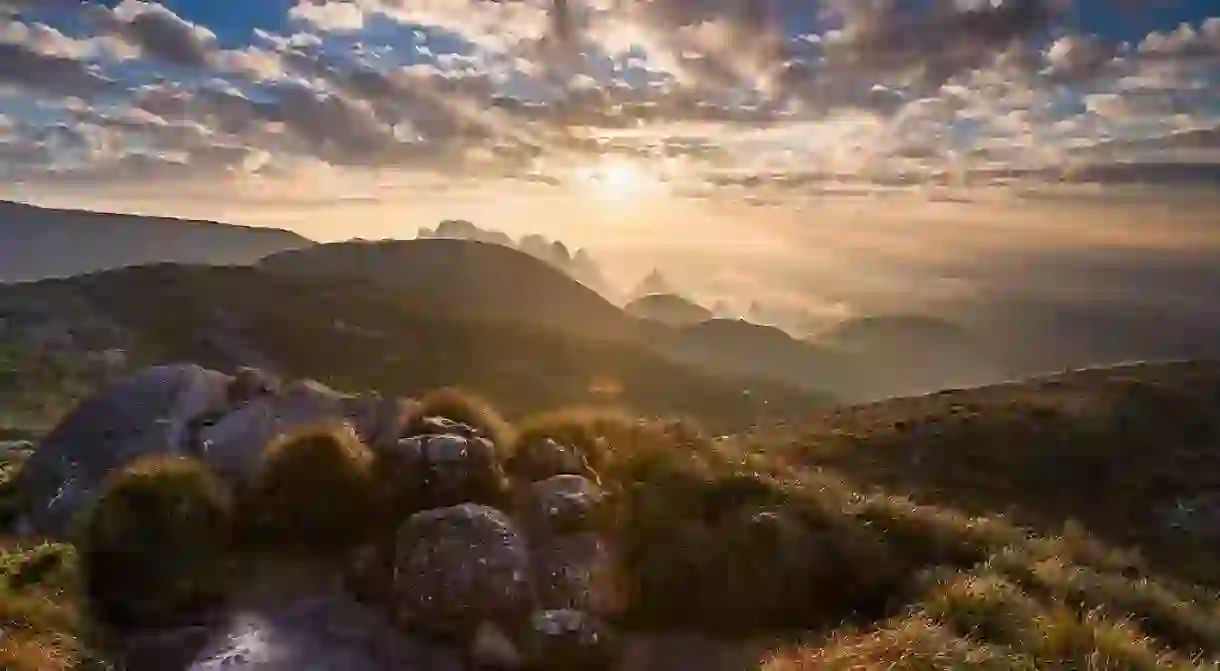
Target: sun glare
(618,180)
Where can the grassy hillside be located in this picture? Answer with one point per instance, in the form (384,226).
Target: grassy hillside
(1129,452)
(354,336)
(803,546)
(465,280)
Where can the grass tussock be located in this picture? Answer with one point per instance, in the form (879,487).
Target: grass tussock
(41,625)
(466,408)
(314,492)
(912,644)
(588,431)
(153,544)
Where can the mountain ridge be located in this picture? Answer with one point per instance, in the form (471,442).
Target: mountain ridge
(41,243)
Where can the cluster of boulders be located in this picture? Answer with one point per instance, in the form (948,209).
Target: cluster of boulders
(501,569)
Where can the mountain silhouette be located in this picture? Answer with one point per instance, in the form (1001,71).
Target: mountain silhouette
(37,243)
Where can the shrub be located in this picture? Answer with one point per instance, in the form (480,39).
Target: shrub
(739,553)
(588,432)
(314,491)
(466,408)
(154,543)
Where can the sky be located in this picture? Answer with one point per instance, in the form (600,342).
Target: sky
(235,108)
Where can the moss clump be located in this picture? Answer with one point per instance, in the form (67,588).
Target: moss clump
(314,492)
(465,408)
(154,543)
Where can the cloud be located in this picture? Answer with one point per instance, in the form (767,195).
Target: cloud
(26,65)
(158,32)
(884,90)
(329,16)
(1077,57)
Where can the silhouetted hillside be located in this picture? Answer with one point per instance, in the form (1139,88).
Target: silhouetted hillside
(668,309)
(38,243)
(356,336)
(579,265)
(465,280)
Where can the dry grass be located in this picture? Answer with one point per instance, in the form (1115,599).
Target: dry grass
(314,493)
(41,629)
(467,408)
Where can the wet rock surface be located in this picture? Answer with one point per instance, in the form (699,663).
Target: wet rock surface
(325,632)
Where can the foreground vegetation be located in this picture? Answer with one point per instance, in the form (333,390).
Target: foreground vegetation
(842,545)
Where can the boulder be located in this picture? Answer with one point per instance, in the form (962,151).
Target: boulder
(321,632)
(146,414)
(183,409)
(569,640)
(233,444)
(565,504)
(576,572)
(458,567)
(437,471)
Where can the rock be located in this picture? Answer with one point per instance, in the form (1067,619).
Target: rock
(233,445)
(437,471)
(569,640)
(15,449)
(458,567)
(161,650)
(546,458)
(576,572)
(369,574)
(491,649)
(321,632)
(146,414)
(566,504)
(387,422)
(251,382)
(420,426)
(183,409)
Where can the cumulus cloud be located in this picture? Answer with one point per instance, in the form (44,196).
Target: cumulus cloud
(883,90)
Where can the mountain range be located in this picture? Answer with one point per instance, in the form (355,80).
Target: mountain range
(38,243)
(467,283)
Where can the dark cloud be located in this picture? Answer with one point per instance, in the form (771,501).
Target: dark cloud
(931,42)
(157,31)
(22,66)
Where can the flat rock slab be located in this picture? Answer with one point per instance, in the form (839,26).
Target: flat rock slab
(325,632)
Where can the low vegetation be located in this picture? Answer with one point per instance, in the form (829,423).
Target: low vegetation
(153,545)
(466,408)
(314,492)
(836,540)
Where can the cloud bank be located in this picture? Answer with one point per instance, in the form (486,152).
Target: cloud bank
(781,93)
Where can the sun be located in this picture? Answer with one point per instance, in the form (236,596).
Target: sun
(617,179)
